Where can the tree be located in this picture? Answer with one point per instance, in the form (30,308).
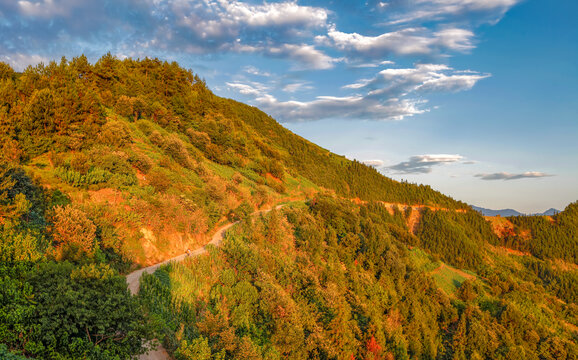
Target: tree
(197,349)
(6,71)
(84,310)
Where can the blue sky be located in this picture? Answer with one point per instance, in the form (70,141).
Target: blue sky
(477,98)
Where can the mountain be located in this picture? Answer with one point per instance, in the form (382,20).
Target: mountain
(511,212)
(550,212)
(108,167)
(503,212)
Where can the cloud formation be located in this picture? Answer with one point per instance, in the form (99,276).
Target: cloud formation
(156,27)
(373,163)
(408,11)
(303,39)
(423,164)
(345,107)
(392,94)
(253,88)
(405,42)
(509,176)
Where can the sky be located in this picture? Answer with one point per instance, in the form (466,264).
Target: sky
(477,98)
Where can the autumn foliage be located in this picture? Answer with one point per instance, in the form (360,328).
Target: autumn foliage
(74,233)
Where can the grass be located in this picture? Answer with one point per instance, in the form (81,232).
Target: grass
(423,261)
(448,279)
(222,170)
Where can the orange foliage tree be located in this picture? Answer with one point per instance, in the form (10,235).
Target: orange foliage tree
(73,232)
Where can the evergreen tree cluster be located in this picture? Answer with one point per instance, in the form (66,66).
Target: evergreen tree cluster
(549,239)
(333,281)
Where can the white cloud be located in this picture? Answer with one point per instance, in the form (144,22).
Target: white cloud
(408,41)
(423,164)
(427,10)
(297,86)
(361,83)
(373,163)
(44,9)
(225,20)
(307,55)
(251,88)
(509,176)
(254,71)
(362,65)
(392,94)
(422,78)
(347,107)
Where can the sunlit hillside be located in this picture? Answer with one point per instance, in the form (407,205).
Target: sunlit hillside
(149,153)
(109,167)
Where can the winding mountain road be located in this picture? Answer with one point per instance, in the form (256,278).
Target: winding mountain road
(133,279)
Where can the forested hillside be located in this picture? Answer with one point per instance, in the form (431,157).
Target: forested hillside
(107,167)
(546,237)
(335,280)
(134,143)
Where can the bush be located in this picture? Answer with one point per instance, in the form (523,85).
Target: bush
(141,162)
(240,212)
(80,163)
(120,168)
(157,139)
(115,133)
(6,355)
(83,313)
(158,179)
(74,178)
(124,106)
(74,233)
(176,148)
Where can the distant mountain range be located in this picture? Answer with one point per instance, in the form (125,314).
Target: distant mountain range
(510,212)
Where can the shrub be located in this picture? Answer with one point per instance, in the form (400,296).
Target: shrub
(124,106)
(176,148)
(145,126)
(141,162)
(158,179)
(115,133)
(199,139)
(120,168)
(11,151)
(74,178)
(240,212)
(6,355)
(73,232)
(80,163)
(157,139)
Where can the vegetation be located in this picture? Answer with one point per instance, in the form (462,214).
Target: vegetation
(59,310)
(457,238)
(63,311)
(332,281)
(109,166)
(549,237)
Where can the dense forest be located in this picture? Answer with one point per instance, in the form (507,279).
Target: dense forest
(107,167)
(547,237)
(331,280)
